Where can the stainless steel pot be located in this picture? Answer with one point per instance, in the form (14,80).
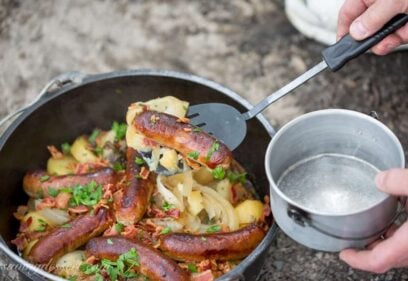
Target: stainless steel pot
(75,103)
(317,198)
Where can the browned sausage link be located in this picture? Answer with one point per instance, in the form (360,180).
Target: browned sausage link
(34,185)
(132,205)
(221,246)
(168,131)
(65,239)
(153,264)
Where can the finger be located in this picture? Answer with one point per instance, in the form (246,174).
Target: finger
(390,231)
(374,244)
(387,45)
(350,10)
(394,181)
(380,12)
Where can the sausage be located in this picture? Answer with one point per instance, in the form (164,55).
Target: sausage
(62,240)
(168,130)
(34,185)
(131,206)
(220,246)
(153,264)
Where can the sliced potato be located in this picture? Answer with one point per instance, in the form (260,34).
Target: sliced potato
(170,105)
(61,166)
(223,188)
(195,202)
(249,211)
(203,176)
(135,140)
(104,137)
(68,264)
(169,159)
(38,222)
(81,151)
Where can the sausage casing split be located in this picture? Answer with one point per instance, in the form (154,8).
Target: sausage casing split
(34,185)
(220,246)
(62,240)
(153,264)
(168,130)
(132,205)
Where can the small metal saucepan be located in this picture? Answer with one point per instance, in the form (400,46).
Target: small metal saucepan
(321,168)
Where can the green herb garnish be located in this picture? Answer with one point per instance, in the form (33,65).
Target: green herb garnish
(87,195)
(166,230)
(218,173)
(119,227)
(197,130)
(94,135)
(118,167)
(98,150)
(109,241)
(89,269)
(44,178)
(193,155)
(72,278)
(236,177)
(53,192)
(214,147)
(66,225)
(214,228)
(43,225)
(66,148)
(120,130)
(167,206)
(139,161)
(192,267)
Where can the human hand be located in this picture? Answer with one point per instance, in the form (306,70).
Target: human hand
(382,255)
(362,18)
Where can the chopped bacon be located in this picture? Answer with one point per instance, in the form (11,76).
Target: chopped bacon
(20,242)
(48,202)
(25,224)
(78,209)
(144,173)
(21,211)
(83,168)
(183,120)
(55,153)
(130,231)
(149,142)
(204,265)
(203,276)
(155,212)
(111,231)
(108,190)
(91,260)
(174,213)
(62,199)
(187,130)
(192,163)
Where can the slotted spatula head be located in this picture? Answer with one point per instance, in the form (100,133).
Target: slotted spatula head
(224,122)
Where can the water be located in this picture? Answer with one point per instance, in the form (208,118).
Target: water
(331,183)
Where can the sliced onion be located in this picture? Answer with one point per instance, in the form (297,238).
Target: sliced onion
(168,195)
(55,216)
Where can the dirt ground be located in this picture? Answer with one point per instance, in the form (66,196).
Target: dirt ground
(248,46)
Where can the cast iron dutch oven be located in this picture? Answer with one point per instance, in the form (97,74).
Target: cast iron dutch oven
(73,104)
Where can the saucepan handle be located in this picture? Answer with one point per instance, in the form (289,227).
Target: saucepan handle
(302,219)
(55,83)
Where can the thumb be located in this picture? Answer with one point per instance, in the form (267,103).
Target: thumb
(379,13)
(394,181)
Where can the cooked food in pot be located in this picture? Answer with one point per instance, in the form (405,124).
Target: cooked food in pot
(156,198)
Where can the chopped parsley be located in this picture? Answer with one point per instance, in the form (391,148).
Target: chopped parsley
(120,130)
(66,225)
(192,267)
(237,177)
(166,230)
(109,241)
(218,173)
(72,278)
(87,195)
(139,161)
(44,178)
(98,150)
(53,192)
(214,147)
(42,225)
(167,206)
(94,135)
(89,269)
(193,155)
(119,227)
(214,228)
(66,148)
(197,130)
(118,167)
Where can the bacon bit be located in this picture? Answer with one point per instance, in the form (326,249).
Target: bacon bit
(20,242)
(192,163)
(203,276)
(266,212)
(155,212)
(78,209)
(130,231)
(21,211)
(234,195)
(55,153)
(174,213)
(48,202)
(224,267)
(62,200)
(111,231)
(103,203)
(204,265)
(108,190)
(154,119)
(25,224)
(186,129)
(144,173)
(91,260)
(82,168)
(183,120)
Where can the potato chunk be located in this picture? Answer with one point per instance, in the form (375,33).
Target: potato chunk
(249,211)
(81,151)
(61,166)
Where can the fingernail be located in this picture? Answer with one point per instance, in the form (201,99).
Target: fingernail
(358,30)
(380,179)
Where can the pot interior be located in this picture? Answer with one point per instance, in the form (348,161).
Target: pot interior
(97,103)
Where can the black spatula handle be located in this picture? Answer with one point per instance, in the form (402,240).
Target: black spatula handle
(347,48)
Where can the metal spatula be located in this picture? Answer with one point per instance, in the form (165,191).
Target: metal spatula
(229,125)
